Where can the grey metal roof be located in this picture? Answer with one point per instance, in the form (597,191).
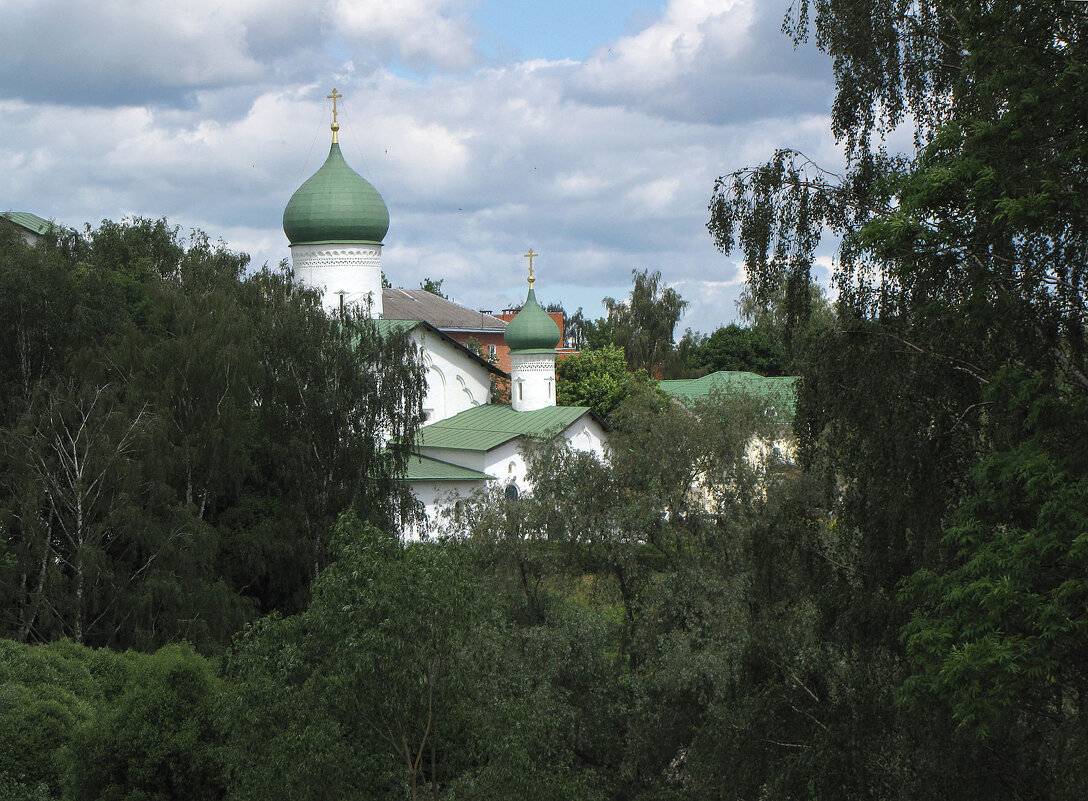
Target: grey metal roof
(419,304)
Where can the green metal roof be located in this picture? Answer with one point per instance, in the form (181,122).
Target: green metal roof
(31,222)
(482,428)
(531,329)
(778,389)
(424,468)
(387,327)
(335,204)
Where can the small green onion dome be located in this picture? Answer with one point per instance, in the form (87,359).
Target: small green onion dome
(336,204)
(531,329)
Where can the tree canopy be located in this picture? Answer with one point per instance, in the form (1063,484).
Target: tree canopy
(957,360)
(179,436)
(643,324)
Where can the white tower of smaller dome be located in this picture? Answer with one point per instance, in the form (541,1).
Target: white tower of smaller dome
(532,336)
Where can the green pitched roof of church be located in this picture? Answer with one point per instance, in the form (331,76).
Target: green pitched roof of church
(531,329)
(482,428)
(31,222)
(424,468)
(776,390)
(335,204)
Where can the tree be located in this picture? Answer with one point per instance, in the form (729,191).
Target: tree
(643,324)
(161,737)
(81,723)
(77,462)
(734,348)
(628,582)
(178,437)
(598,379)
(957,263)
(576,330)
(434,287)
(388,657)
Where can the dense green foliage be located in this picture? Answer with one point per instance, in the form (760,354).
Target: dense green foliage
(85,724)
(733,347)
(434,287)
(643,325)
(900,614)
(176,438)
(563,646)
(945,406)
(598,379)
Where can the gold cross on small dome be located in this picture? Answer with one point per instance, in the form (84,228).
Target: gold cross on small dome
(335,125)
(530,256)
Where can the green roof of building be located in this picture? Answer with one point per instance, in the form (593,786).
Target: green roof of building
(781,390)
(335,204)
(386,327)
(424,468)
(482,428)
(531,329)
(31,222)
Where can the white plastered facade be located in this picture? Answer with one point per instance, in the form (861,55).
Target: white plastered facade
(349,270)
(455,381)
(532,381)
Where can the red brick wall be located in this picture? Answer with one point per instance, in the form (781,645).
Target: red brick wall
(502,353)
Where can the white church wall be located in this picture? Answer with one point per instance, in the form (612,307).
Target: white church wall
(439,499)
(455,381)
(586,434)
(473,460)
(507,463)
(354,269)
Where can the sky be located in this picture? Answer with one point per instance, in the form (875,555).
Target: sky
(591,132)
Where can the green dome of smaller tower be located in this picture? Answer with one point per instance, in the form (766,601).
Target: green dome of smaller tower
(532,329)
(335,204)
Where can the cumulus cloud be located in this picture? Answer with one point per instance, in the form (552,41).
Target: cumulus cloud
(708,61)
(580,161)
(134,51)
(110,52)
(420,32)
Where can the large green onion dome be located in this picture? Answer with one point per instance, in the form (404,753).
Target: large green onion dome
(532,329)
(336,204)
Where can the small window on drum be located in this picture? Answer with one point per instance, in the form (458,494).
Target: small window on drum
(458,511)
(511,491)
(510,468)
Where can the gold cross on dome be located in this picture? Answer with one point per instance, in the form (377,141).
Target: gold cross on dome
(335,126)
(530,256)
(334,97)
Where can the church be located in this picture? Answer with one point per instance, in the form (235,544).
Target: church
(336,223)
